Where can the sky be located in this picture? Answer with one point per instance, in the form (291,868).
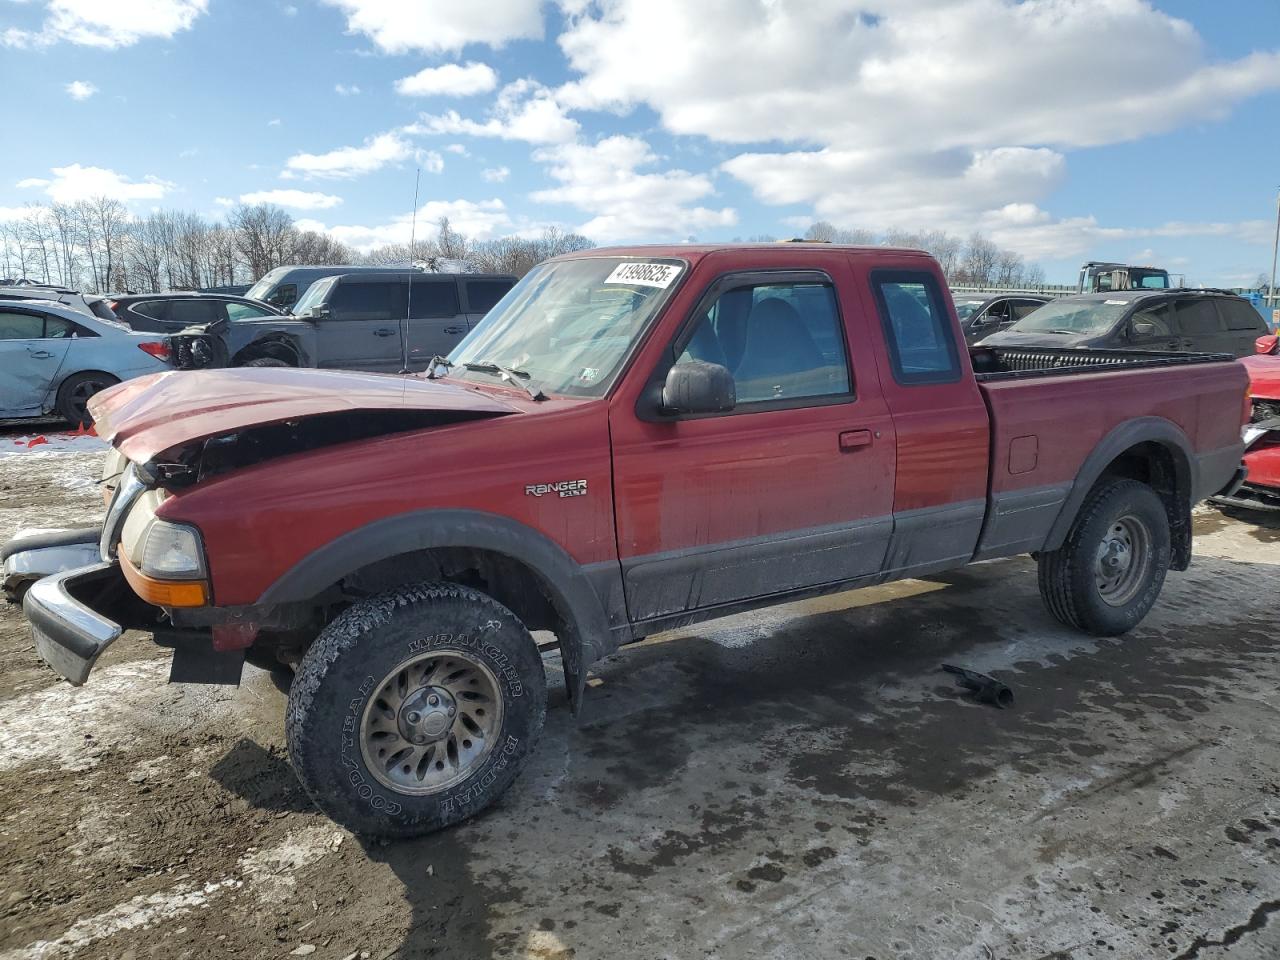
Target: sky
(1063,129)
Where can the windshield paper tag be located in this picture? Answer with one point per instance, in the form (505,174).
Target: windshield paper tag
(645,274)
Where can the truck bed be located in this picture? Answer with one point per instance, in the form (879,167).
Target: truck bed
(1018,363)
(1054,412)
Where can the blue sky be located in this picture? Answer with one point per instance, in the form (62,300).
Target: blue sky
(1065,129)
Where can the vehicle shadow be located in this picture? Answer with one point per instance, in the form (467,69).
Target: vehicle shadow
(693,753)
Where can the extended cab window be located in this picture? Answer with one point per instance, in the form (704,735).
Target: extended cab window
(921,347)
(780,341)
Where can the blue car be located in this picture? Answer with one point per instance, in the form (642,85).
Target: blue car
(54,358)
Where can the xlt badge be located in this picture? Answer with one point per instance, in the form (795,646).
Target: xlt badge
(565,488)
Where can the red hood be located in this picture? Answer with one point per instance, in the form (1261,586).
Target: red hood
(1264,376)
(151,414)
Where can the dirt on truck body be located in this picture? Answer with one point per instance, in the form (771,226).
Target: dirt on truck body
(633,440)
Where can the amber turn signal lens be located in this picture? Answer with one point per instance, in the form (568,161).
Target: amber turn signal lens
(165,593)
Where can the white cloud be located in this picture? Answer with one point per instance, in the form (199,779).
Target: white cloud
(347,162)
(496,174)
(12,213)
(459,149)
(449,80)
(603,180)
(118,23)
(75,182)
(434,26)
(905,113)
(479,220)
(274,122)
(1047,238)
(80,89)
(296,199)
(345,90)
(524,110)
(224,201)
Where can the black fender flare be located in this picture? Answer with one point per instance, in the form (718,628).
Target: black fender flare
(1129,434)
(568,583)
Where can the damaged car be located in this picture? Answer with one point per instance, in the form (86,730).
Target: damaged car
(1261,487)
(633,440)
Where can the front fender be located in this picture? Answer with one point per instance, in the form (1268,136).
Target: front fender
(579,593)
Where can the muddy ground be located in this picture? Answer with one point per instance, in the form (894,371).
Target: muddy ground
(796,783)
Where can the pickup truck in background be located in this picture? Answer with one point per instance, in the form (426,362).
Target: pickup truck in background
(635,439)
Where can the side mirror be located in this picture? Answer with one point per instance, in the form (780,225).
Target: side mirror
(1269,343)
(1143,328)
(319,313)
(699,387)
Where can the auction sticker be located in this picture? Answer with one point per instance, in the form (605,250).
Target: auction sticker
(645,274)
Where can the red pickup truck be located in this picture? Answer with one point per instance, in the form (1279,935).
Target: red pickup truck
(632,440)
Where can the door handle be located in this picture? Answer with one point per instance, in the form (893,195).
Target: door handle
(40,354)
(455,330)
(383,332)
(855,439)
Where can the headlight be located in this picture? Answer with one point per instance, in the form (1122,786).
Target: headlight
(172,552)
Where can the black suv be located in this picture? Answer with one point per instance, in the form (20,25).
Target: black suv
(171,312)
(1185,321)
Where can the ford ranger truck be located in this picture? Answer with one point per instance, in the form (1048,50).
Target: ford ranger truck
(632,440)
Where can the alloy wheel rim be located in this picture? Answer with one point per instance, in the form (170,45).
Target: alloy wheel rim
(1122,560)
(431,722)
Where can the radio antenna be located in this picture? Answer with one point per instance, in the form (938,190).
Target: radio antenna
(408,304)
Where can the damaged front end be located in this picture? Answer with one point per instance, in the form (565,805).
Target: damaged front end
(81,589)
(1259,488)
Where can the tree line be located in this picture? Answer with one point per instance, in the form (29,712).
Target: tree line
(976,260)
(98,246)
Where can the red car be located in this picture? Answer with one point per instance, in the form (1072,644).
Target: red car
(632,440)
(1261,489)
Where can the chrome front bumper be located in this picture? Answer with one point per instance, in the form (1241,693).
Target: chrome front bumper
(33,554)
(68,634)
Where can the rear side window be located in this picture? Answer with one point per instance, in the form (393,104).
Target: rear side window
(921,346)
(482,295)
(150,308)
(1023,307)
(1241,316)
(433,298)
(188,312)
(1198,318)
(362,298)
(20,326)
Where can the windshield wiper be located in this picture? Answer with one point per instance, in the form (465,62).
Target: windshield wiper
(518,377)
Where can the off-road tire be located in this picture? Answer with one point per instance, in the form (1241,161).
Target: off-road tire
(345,668)
(264,362)
(1067,575)
(75,391)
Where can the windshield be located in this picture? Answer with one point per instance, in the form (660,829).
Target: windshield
(314,295)
(570,324)
(1148,279)
(268,280)
(1075,317)
(967,308)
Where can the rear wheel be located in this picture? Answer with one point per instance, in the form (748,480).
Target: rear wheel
(415,710)
(264,362)
(1107,575)
(73,396)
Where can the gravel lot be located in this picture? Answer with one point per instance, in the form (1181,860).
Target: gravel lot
(796,783)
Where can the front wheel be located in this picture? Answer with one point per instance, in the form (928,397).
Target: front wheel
(415,710)
(1107,575)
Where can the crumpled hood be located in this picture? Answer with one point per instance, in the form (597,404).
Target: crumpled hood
(1264,376)
(147,415)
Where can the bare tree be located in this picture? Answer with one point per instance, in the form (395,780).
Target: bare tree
(263,236)
(980,258)
(1009,268)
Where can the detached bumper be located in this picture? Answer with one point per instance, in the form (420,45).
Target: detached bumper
(69,635)
(33,554)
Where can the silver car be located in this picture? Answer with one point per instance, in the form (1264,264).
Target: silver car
(53,358)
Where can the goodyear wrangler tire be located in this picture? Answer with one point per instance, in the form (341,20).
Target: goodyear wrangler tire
(415,710)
